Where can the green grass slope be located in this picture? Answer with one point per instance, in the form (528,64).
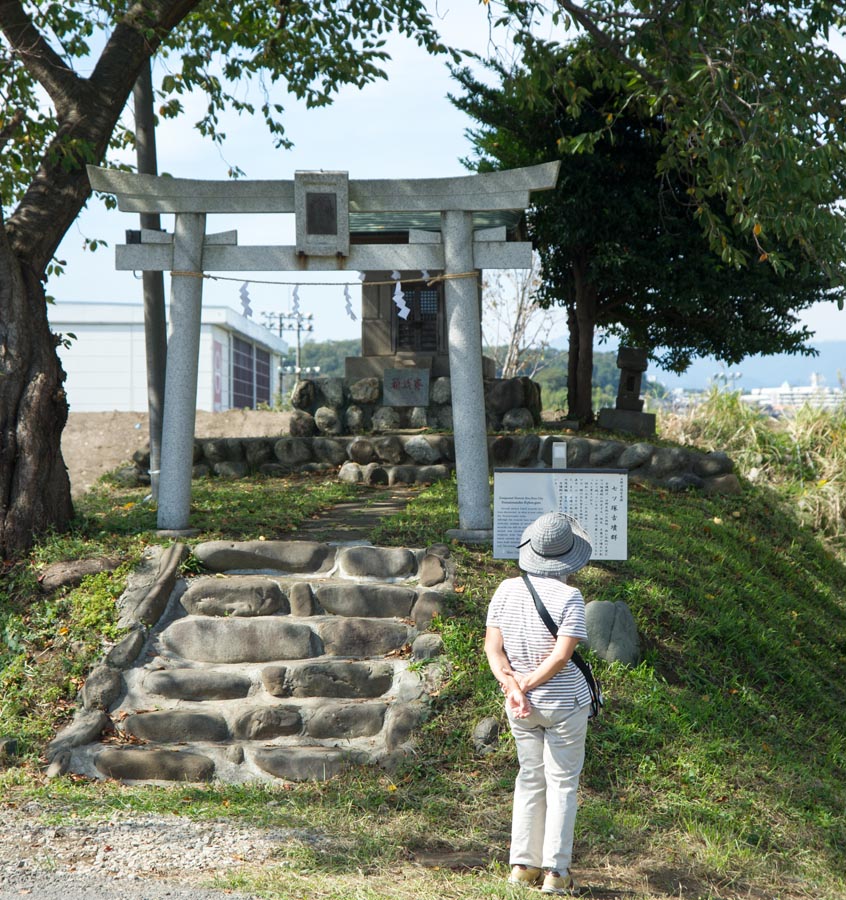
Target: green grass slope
(718,769)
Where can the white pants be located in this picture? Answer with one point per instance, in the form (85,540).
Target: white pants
(551,752)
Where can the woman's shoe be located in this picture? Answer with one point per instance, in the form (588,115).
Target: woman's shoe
(528,875)
(559,884)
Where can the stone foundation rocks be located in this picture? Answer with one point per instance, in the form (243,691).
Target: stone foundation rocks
(334,406)
(422,459)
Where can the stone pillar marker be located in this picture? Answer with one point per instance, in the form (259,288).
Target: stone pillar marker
(468,395)
(628,415)
(183,353)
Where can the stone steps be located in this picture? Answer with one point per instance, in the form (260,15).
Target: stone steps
(294,670)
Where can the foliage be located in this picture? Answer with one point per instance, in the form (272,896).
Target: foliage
(511,312)
(328,356)
(552,377)
(621,249)
(306,49)
(750,95)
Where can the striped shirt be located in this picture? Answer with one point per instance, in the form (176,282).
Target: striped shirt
(527,641)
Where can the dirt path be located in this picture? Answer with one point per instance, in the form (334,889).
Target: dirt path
(94,443)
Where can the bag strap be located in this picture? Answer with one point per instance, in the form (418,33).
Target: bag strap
(580,664)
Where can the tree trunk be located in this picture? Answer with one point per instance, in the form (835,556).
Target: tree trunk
(572,360)
(580,386)
(34,484)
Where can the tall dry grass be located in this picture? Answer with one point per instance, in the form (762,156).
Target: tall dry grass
(803,452)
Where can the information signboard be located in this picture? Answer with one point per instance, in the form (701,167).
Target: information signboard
(598,498)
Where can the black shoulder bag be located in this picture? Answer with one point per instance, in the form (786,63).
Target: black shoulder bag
(596,699)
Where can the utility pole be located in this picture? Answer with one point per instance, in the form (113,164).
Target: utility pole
(155,327)
(291,322)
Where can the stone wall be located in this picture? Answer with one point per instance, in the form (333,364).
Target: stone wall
(419,458)
(334,406)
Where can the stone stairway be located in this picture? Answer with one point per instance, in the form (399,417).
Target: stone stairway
(284,660)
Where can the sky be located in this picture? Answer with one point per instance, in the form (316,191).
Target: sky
(402,127)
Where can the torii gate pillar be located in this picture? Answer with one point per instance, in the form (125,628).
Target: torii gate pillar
(464,329)
(183,353)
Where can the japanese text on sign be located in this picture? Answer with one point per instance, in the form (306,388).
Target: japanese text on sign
(406,387)
(597,498)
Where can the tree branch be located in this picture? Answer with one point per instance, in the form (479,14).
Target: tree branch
(35,52)
(588,22)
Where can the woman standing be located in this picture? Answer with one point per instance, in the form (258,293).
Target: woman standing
(547,697)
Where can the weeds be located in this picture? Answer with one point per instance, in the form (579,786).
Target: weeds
(803,454)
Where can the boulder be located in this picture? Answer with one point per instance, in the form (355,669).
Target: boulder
(389,449)
(174,726)
(518,419)
(612,632)
(240,640)
(281,556)
(486,736)
(302,424)
(350,473)
(267,723)
(422,451)
(329,451)
(135,764)
(377,562)
(102,687)
(301,763)
(385,418)
(197,684)
(366,390)
(440,391)
(292,451)
(237,595)
(258,452)
(344,720)
(361,638)
(303,396)
(328,421)
(378,600)
(70,573)
(330,678)
(362,451)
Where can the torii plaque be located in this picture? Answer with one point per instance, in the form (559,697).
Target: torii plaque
(323,202)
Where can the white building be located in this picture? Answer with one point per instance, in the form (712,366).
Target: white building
(106,361)
(788,396)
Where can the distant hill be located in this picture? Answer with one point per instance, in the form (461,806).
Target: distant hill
(764,371)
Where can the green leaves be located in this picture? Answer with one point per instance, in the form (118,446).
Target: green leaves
(226,51)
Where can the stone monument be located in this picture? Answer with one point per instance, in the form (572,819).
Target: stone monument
(628,414)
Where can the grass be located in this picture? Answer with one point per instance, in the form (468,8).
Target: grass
(718,769)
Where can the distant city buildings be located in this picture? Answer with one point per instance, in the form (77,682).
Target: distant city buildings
(789,397)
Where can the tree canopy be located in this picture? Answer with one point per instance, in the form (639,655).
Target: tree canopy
(752,96)
(620,240)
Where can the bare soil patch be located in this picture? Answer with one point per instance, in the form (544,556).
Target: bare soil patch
(94,443)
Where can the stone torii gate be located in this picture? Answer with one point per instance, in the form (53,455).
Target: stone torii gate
(460,211)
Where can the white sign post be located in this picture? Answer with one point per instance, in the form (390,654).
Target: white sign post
(597,498)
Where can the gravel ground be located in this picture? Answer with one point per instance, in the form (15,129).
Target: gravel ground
(142,857)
